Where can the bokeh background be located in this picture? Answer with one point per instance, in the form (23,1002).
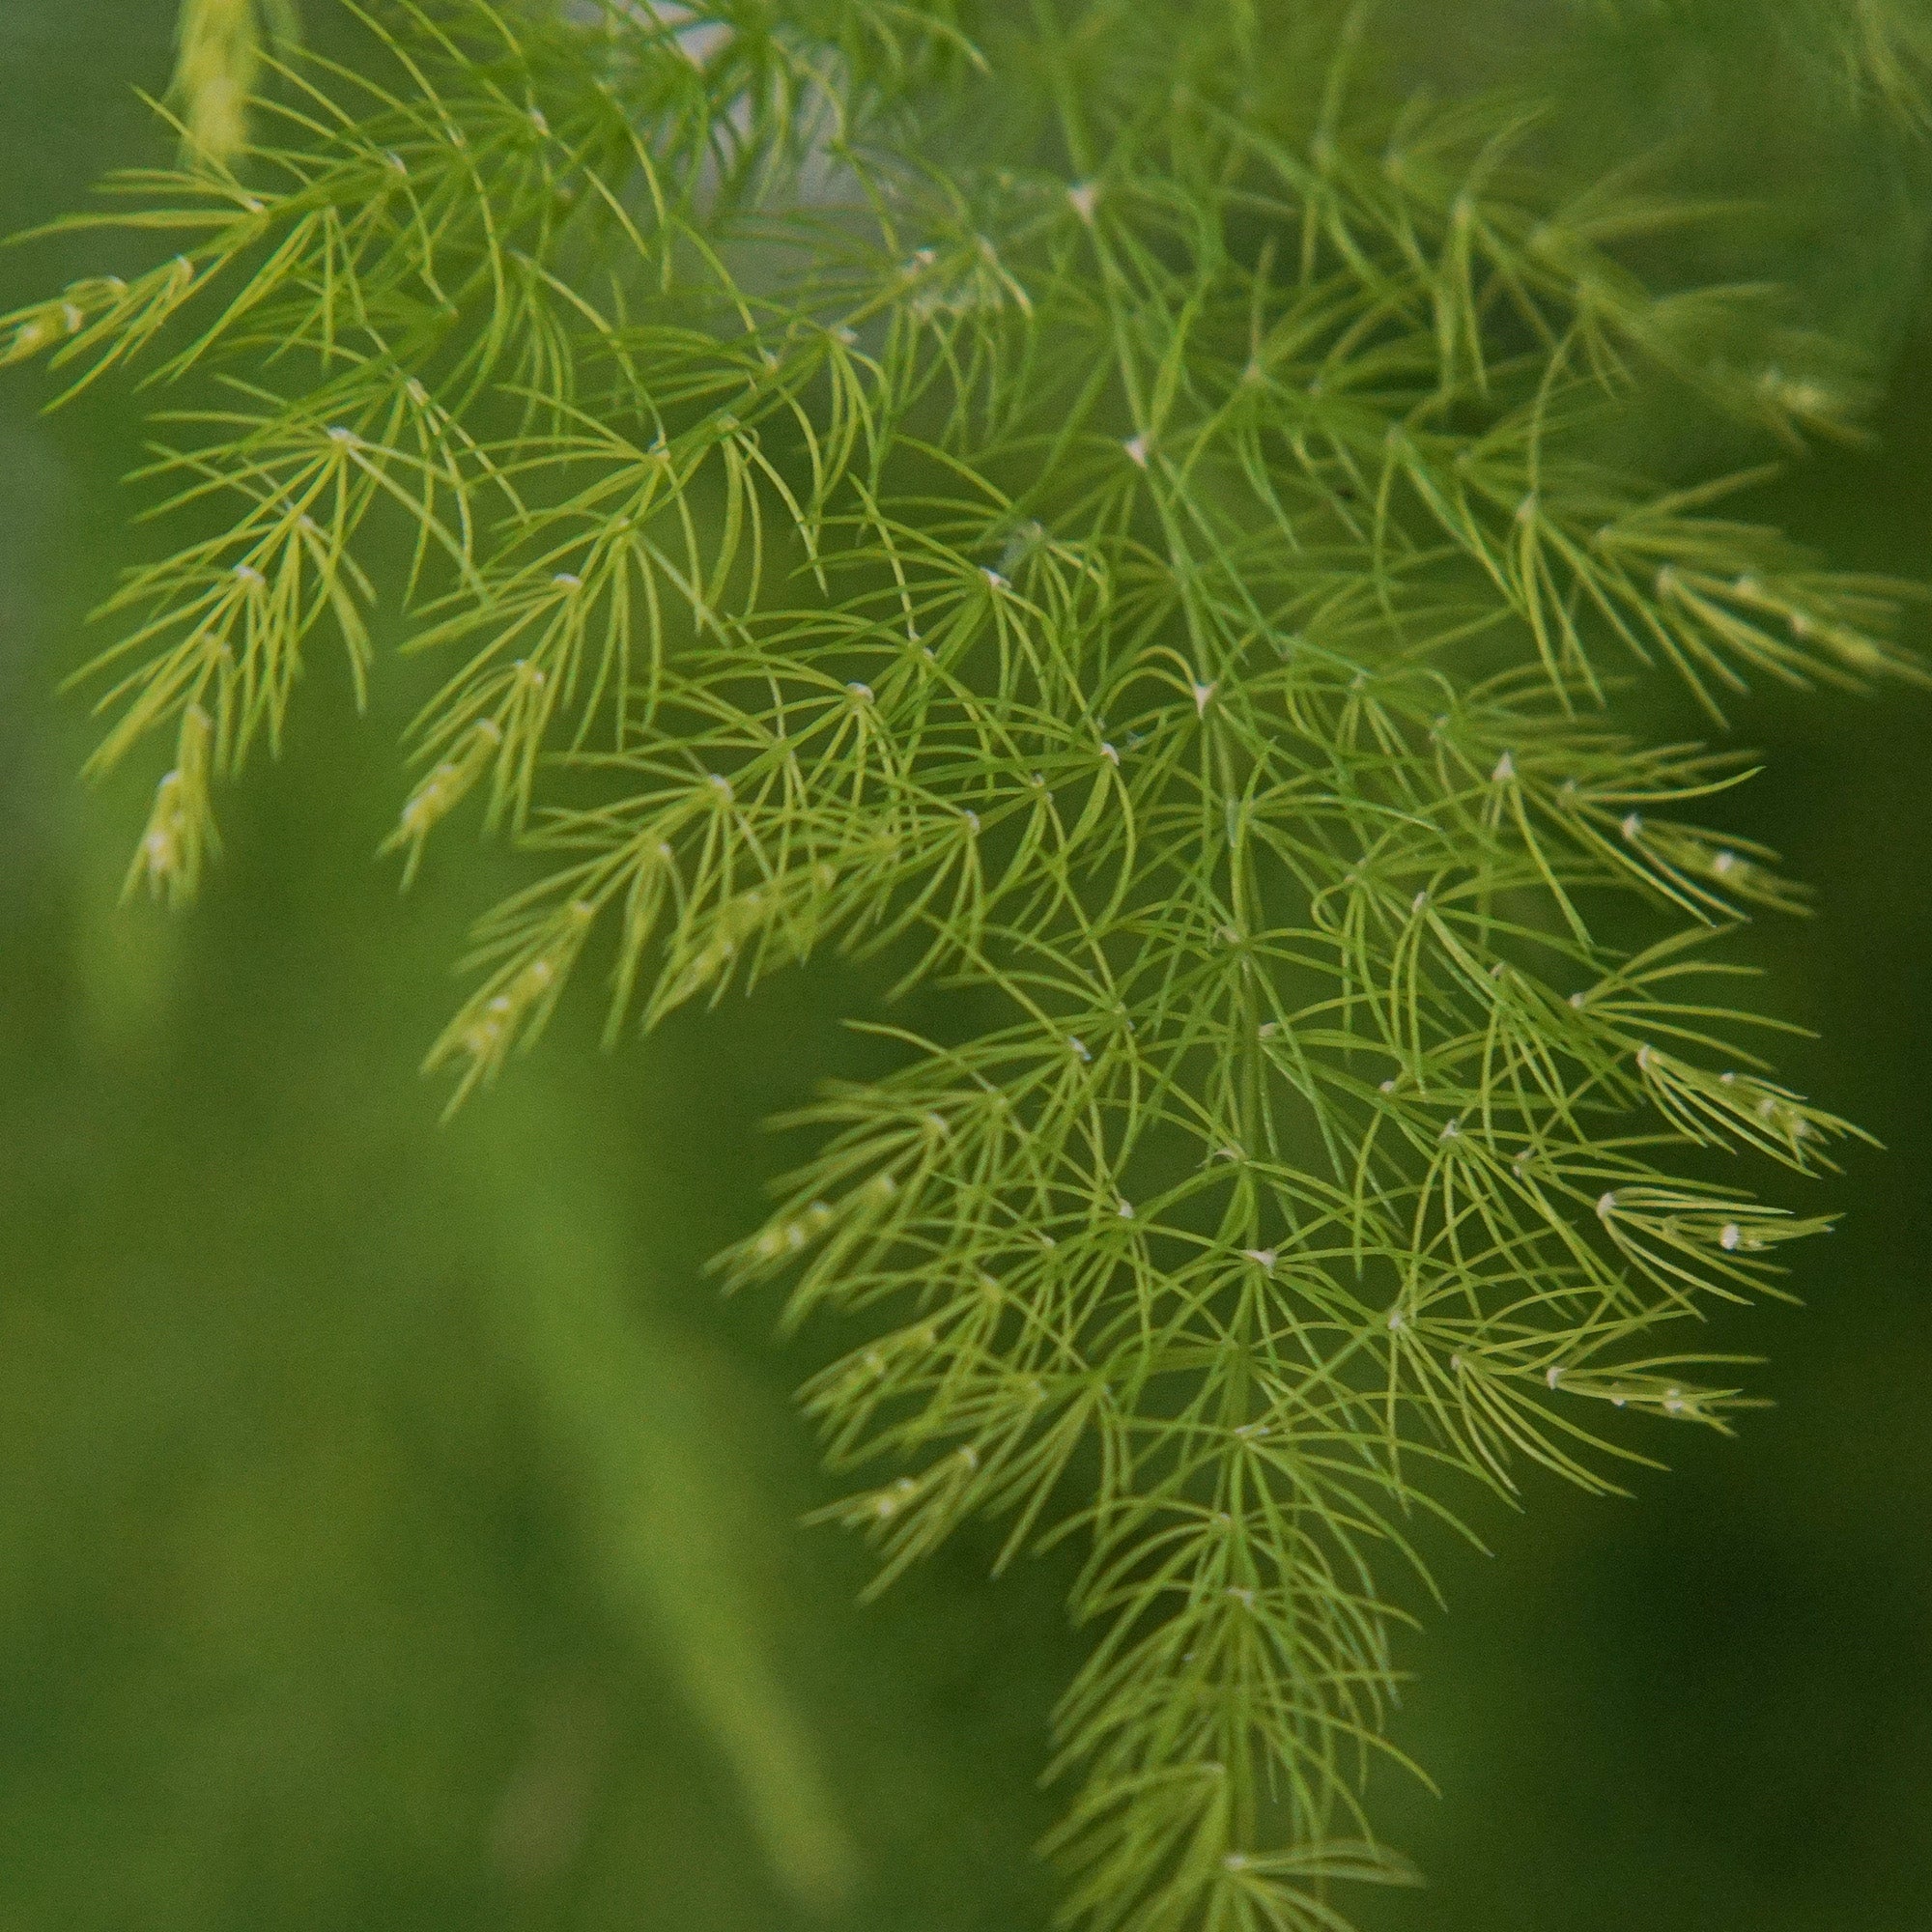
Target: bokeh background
(397,1530)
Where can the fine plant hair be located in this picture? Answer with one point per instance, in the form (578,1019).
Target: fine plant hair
(1092,503)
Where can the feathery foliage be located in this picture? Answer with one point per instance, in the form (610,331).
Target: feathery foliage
(1155,568)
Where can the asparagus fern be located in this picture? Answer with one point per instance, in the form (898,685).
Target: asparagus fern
(1156,571)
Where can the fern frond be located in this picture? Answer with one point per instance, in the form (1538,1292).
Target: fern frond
(1162,571)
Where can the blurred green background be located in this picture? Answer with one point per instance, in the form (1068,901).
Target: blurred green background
(384,1545)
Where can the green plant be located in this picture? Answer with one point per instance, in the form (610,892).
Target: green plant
(219,67)
(1157,572)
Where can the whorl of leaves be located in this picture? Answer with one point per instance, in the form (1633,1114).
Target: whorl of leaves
(1148,554)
